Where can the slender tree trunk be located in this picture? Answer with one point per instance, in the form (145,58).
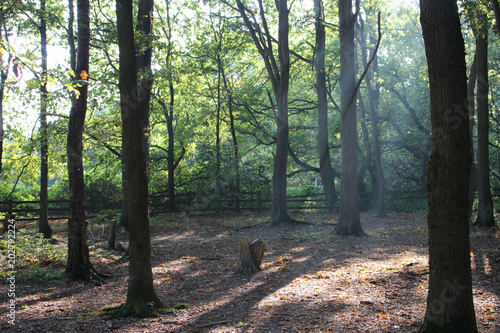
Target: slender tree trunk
(485,216)
(171,146)
(78,265)
(349,222)
(43,222)
(236,154)
(450,306)
(169,115)
(373,97)
(134,101)
(471,85)
(326,170)
(4,73)
(218,177)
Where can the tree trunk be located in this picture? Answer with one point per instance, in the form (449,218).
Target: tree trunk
(450,306)
(125,211)
(4,73)
(326,170)
(279,212)
(134,101)
(349,222)
(373,98)
(279,77)
(78,266)
(43,222)
(169,116)
(485,216)
(471,85)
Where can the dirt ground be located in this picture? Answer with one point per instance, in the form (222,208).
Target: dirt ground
(311,279)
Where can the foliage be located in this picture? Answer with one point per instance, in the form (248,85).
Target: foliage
(38,260)
(212,62)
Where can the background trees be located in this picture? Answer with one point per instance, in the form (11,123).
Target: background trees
(212,123)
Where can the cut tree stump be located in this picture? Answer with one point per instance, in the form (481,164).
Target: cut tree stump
(250,255)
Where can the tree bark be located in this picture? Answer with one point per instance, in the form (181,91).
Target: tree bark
(485,216)
(450,306)
(134,101)
(43,222)
(349,222)
(326,170)
(78,266)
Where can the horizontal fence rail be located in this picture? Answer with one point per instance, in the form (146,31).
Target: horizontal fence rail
(204,202)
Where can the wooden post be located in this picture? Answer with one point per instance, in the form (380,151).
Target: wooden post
(112,235)
(250,255)
(9,223)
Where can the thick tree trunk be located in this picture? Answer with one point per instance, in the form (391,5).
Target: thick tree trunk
(450,306)
(78,266)
(485,216)
(43,222)
(326,170)
(134,101)
(279,212)
(349,222)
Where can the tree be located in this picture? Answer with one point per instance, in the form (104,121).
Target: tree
(450,306)
(325,165)
(485,216)
(43,222)
(135,96)
(78,264)
(279,75)
(373,91)
(349,222)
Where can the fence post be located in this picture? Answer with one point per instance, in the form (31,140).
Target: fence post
(11,206)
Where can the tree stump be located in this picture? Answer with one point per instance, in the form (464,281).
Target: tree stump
(250,255)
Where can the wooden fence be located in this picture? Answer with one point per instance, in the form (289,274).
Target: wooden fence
(191,202)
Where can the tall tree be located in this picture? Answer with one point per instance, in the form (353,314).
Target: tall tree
(373,91)
(450,306)
(78,265)
(485,217)
(349,222)
(4,74)
(134,100)
(43,222)
(326,170)
(279,75)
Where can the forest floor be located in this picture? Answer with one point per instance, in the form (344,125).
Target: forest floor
(311,280)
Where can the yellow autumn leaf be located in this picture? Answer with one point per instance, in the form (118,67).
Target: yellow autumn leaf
(84,75)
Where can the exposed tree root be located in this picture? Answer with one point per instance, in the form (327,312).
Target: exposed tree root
(139,309)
